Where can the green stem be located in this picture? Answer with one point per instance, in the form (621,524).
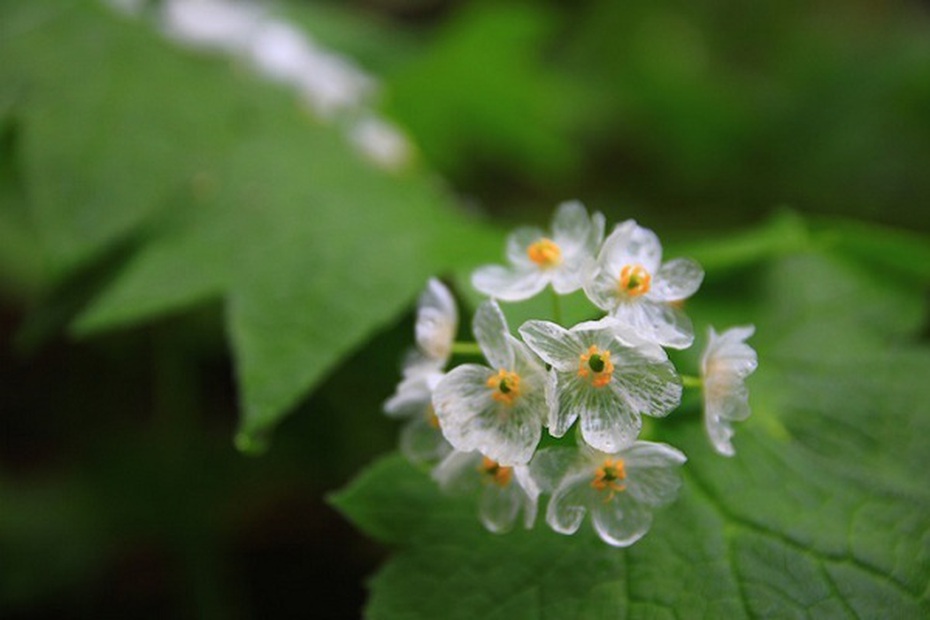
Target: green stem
(556,306)
(466,348)
(691,382)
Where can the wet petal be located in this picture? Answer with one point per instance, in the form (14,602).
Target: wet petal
(621,521)
(458,399)
(529,494)
(437,321)
(658,322)
(509,284)
(608,422)
(550,466)
(491,332)
(677,279)
(650,388)
(601,288)
(458,472)
(421,441)
(571,228)
(498,506)
(553,343)
(630,244)
(518,243)
(569,502)
(571,275)
(652,472)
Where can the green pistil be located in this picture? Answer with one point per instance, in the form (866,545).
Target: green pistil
(596,363)
(503,387)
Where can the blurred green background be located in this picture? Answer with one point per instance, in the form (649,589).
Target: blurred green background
(195,266)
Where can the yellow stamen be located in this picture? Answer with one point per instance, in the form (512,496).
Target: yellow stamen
(545,253)
(492,471)
(431,418)
(608,477)
(634,281)
(595,366)
(506,386)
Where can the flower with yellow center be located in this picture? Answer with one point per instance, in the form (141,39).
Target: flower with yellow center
(503,492)
(619,490)
(545,253)
(562,258)
(725,364)
(636,288)
(604,375)
(436,324)
(499,412)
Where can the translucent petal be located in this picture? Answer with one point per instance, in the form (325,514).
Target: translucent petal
(458,399)
(720,432)
(491,332)
(630,244)
(498,506)
(728,353)
(413,393)
(653,454)
(557,421)
(569,502)
(509,284)
(457,473)
(571,275)
(726,363)
(607,421)
(677,279)
(571,227)
(519,241)
(656,321)
(601,288)
(621,521)
(437,321)
(650,388)
(421,441)
(556,345)
(550,466)
(653,485)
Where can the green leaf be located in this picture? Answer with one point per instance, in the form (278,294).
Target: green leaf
(218,185)
(823,512)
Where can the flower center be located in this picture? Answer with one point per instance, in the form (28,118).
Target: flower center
(634,281)
(595,366)
(545,253)
(505,386)
(492,471)
(609,477)
(431,418)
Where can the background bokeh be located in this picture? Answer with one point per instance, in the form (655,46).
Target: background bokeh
(122,490)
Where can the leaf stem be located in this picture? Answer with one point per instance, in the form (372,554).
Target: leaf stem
(689,381)
(466,348)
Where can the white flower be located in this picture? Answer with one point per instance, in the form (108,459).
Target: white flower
(499,412)
(504,491)
(436,325)
(606,375)
(620,489)
(634,286)
(725,364)
(563,258)
(437,322)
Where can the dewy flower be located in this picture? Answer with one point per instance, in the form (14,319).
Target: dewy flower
(725,364)
(635,287)
(436,324)
(563,258)
(605,374)
(503,491)
(498,410)
(619,489)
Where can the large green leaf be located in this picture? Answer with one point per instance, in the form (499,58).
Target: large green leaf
(221,186)
(824,511)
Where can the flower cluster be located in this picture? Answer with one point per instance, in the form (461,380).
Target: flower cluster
(483,423)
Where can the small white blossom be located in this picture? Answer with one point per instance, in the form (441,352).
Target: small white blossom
(537,259)
(725,364)
(635,287)
(436,325)
(606,375)
(619,489)
(503,491)
(498,410)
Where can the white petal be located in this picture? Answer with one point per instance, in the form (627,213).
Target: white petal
(601,288)
(530,494)
(508,284)
(571,227)
(556,345)
(630,244)
(650,388)
(518,243)
(560,418)
(437,321)
(498,506)
(726,363)
(421,442)
(572,274)
(677,279)
(652,472)
(457,472)
(728,353)
(621,521)
(414,392)
(569,502)
(658,322)
(550,466)
(459,398)
(491,332)
(720,432)
(607,421)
